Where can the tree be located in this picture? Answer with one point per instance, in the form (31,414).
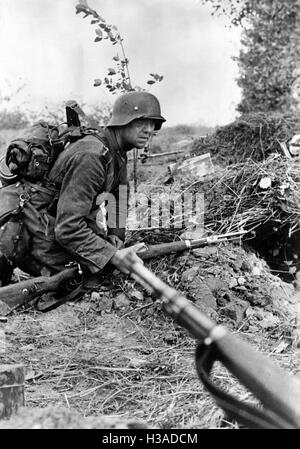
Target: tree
(268,60)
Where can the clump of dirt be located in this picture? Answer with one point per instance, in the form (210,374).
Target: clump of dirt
(253,136)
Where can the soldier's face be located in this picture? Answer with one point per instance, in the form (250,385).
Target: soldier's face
(137,133)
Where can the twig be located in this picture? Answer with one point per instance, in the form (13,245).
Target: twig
(137,309)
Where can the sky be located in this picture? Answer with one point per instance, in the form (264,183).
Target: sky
(50,51)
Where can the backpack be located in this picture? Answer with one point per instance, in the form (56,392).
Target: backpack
(31,156)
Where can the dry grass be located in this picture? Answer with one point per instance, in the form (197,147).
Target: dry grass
(134,363)
(253,135)
(234,197)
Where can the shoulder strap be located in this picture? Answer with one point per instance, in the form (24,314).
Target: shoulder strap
(74,133)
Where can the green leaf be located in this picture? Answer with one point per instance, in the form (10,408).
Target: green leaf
(94,21)
(116,58)
(98,39)
(150,82)
(97,82)
(99,32)
(111,71)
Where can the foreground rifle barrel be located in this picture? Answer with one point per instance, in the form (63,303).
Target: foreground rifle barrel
(278,391)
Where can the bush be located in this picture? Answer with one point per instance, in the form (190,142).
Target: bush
(253,135)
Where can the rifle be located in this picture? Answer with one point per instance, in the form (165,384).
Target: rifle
(278,392)
(25,291)
(162,249)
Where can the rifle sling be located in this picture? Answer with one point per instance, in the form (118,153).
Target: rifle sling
(250,416)
(83,287)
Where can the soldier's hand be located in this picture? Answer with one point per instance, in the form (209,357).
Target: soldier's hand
(120,258)
(115,241)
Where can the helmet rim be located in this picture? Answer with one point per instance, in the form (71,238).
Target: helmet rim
(135,105)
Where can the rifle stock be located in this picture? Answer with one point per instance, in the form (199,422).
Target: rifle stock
(162,249)
(278,391)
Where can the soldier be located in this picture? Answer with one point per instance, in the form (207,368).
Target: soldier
(61,215)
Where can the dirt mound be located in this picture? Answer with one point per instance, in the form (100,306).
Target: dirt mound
(226,282)
(251,136)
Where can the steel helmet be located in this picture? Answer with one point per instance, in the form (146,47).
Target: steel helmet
(134,105)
